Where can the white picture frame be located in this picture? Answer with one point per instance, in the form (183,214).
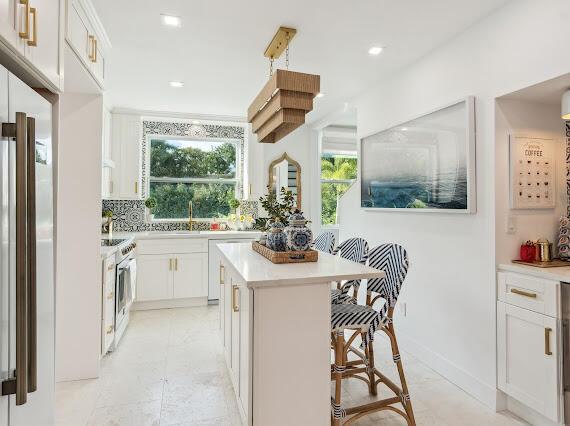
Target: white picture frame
(431,154)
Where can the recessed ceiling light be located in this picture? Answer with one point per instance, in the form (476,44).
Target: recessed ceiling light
(171,21)
(320,95)
(376,50)
(404,129)
(177,84)
(196,122)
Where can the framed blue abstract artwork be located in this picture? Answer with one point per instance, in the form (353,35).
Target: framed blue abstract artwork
(424,165)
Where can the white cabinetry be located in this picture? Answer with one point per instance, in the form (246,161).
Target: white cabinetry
(87,38)
(529,337)
(236,335)
(31,30)
(171,270)
(108,164)
(108,305)
(126,144)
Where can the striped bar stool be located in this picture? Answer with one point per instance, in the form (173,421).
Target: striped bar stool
(325,242)
(355,249)
(393,260)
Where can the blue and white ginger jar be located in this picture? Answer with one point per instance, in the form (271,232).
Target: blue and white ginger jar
(276,238)
(299,236)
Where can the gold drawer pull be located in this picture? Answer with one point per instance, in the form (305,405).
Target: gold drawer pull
(91,38)
(109,329)
(523,293)
(176,264)
(110,267)
(235,306)
(26,33)
(34,40)
(110,295)
(94,50)
(222,273)
(170,264)
(547,350)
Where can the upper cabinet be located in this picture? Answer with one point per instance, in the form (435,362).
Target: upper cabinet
(126,141)
(87,38)
(31,31)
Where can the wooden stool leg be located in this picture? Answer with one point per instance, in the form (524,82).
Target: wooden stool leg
(406,401)
(373,387)
(337,412)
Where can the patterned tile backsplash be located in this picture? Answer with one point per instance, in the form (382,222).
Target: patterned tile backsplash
(129,216)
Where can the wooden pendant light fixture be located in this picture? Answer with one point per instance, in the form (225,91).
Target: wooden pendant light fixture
(281,105)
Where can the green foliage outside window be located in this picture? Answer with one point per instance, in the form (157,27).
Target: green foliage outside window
(180,166)
(337,174)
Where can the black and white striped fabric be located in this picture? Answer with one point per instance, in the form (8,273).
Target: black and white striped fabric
(393,260)
(355,249)
(337,297)
(325,242)
(354,317)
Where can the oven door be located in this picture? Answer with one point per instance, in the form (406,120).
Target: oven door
(122,289)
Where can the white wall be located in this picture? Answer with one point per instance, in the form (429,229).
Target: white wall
(78,286)
(534,120)
(450,289)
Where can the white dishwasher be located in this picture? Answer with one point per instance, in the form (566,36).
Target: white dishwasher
(214,258)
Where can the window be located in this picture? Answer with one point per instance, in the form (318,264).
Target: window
(204,172)
(338,172)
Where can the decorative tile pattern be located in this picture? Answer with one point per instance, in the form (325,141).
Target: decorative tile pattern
(249,208)
(205,131)
(129,216)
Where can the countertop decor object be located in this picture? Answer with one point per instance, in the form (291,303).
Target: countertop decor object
(528,251)
(554,263)
(299,236)
(543,250)
(276,238)
(281,106)
(278,257)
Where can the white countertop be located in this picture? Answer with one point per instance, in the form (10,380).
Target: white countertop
(210,235)
(559,273)
(257,271)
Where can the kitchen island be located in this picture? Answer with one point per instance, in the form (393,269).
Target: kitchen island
(275,330)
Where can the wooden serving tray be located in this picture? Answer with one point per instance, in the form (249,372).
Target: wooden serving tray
(554,263)
(285,256)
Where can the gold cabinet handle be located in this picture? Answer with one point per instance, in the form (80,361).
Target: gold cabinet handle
(34,40)
(523,293)
(547,350)
(110,295)
(94,50)
(110,267)
(109,329)
(222,273)
(91,38)
(176,264)
(235,305)
(170,264)
(26,34)
(136,187)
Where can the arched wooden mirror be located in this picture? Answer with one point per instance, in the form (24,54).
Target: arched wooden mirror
(285,172)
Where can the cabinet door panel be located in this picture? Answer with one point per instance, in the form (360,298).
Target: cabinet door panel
(190,275)
(235,294)
(98,64)
(126,148)
(12,21)
(526,370)
(45,55)
(244,352)
(154,277)
(77,32)
(228,315)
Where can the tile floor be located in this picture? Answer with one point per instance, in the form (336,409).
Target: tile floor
(169,370)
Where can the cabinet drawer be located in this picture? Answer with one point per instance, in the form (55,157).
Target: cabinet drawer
(172,245)
(535,294)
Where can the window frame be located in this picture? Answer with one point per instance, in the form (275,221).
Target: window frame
(349,182)
(235,180)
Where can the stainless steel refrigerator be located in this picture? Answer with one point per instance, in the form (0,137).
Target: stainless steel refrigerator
(26,256)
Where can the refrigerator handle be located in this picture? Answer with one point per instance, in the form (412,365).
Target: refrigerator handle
(19,383)
(31,257)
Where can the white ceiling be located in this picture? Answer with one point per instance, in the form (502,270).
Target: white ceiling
(549,92)
(218,51)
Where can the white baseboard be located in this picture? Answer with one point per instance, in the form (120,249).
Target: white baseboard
(488,395)
(528,414)
(171,303)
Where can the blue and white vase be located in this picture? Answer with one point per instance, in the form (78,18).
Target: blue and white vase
(276,238)
(299,236)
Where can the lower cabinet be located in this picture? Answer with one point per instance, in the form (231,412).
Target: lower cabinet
(172,276)
(235,313)
(108,304)
(529,353)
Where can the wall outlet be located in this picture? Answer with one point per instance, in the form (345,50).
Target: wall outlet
(402,307)
(511,225)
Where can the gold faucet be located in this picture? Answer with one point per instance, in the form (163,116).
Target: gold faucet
(190,215)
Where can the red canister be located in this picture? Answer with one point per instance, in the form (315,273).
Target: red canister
(528,251)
